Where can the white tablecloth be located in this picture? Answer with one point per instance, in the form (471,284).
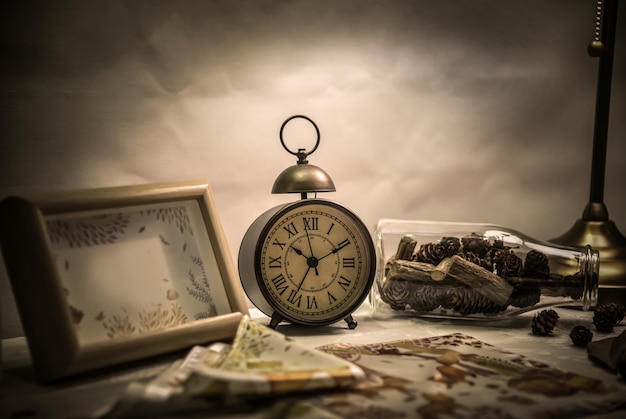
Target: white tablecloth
(91,394)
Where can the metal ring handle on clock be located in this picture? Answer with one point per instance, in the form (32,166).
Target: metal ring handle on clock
(301,153)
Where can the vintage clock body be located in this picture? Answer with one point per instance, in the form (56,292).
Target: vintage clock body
(312,261)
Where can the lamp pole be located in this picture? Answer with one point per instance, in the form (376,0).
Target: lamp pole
(595,228)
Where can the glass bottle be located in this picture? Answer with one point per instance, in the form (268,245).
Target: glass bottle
(475,271)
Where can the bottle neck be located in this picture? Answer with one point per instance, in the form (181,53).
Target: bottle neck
(590,268)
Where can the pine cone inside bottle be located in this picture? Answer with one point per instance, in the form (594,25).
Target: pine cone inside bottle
(466,301)
(430,253)
(544,322)
(426,297)
(477,260)
(475,243)
(536,265)
(507,263)
(451,245)
(525,297)
(395,293)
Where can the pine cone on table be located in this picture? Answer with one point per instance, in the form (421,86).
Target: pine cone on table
(616,310)
(430,253)
(544,322)
(536,265)
(607,316)
(603,322)
(581,335)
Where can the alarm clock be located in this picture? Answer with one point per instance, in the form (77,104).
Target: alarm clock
(310,262)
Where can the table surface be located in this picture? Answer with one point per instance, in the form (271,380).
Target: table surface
(89,394)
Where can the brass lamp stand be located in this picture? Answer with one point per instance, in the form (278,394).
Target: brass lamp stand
(595,228)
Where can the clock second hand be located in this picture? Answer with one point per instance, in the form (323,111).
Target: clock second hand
(303,278)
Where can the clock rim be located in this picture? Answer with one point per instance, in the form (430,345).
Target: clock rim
(369,258)
(247,260)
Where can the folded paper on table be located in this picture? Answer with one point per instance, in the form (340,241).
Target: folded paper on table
(610,353)
(459,376)
(433,377)
(260,361)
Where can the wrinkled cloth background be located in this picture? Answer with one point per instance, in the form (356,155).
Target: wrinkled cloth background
(475,111)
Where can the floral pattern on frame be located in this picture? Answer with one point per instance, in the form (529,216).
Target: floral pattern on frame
(142,270)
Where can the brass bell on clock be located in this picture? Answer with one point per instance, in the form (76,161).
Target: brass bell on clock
(302,177)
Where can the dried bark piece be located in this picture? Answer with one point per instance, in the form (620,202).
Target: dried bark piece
(410,270)
(480,279)
(406,247)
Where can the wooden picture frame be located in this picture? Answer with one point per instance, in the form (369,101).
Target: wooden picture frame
(105,276)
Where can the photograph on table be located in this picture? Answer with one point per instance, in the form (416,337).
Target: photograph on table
(109,275)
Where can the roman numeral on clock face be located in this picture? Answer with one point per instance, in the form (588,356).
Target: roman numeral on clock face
(280,283)
(347,263)
(294,298)
(344,282)
(331,298)
(278,243)
(291,230)
(276,263)
(343,244)
(310,223)
(311,302)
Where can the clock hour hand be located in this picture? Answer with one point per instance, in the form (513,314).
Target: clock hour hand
(311,261)
(298,251)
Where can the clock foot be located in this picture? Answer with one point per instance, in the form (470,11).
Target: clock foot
(276,319)
(351,322)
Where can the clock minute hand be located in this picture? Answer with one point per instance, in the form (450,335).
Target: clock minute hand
(335,250)
(312,261)
(308,239)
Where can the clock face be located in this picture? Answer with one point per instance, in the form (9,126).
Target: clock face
(315,262)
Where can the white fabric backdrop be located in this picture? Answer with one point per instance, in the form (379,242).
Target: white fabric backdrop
(461,111)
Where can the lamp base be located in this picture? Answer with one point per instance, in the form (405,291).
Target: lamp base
(604,237)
